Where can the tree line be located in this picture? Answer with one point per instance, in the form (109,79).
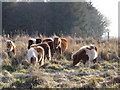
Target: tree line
(78,19)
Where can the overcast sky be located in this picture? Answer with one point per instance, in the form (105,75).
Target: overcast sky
(109,8)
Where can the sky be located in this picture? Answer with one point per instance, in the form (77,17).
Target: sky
(109,8)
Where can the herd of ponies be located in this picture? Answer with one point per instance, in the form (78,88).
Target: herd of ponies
(39,50)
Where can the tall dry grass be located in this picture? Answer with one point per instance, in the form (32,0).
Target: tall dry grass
(108,60)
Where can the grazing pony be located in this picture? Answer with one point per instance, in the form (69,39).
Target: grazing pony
(10,48)
(46,47)
(85,53)
(57,45)
(64,44)
(36,55)
(50,42)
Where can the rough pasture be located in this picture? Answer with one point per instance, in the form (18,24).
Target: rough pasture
(59,73)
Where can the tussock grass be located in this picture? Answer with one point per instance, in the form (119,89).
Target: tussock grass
(96,66)
(59,73)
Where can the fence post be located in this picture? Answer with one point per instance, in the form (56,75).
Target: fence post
(108,36)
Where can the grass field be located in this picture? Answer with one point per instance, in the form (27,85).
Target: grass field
(60,73)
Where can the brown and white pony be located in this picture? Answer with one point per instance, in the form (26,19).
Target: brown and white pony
(46,47)
(86,54)
(64,44)
(57,45)
(36,55)
(10,48)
